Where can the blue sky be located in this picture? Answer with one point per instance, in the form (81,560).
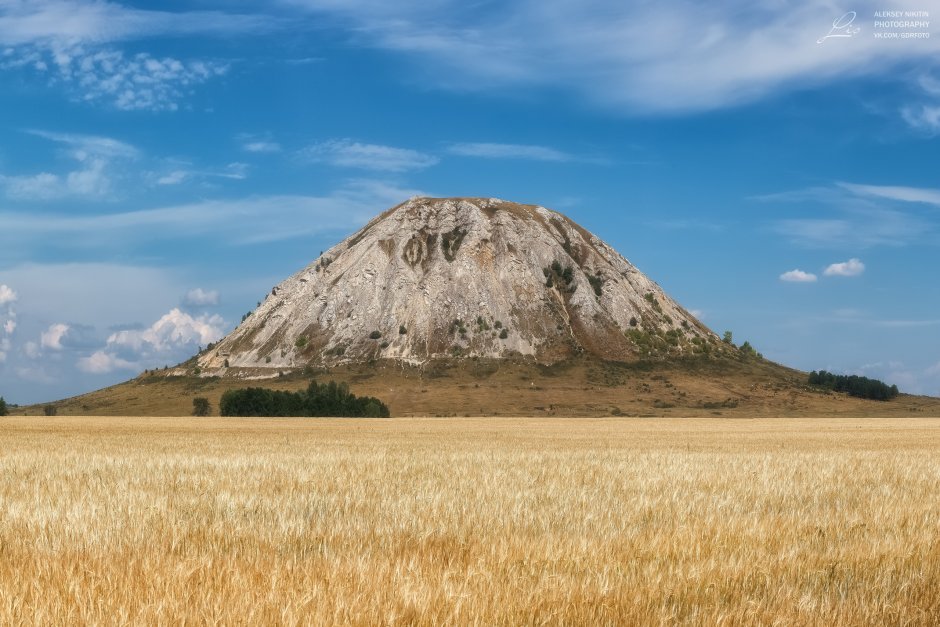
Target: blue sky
(162,165)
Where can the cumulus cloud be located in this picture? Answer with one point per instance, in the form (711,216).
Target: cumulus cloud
(173,330)
(508,151)
(852,267)
(7,295)
(52,337)
(798,276)
(352,154)
(8,319)
(174,336)
(101,362)
(199,297)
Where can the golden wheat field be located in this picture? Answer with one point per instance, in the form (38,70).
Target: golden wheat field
(469,521)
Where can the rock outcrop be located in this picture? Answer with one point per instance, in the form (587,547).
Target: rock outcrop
(462,277)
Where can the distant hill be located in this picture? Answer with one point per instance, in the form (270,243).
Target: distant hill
(475,306)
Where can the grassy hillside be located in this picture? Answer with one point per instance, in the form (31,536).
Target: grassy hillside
(487,387)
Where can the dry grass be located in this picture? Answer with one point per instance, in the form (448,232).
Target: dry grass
(580,387)
(485,521)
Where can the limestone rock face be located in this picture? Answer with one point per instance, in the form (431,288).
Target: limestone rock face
(461,277)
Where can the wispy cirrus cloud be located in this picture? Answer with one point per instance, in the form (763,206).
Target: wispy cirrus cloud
(649,57)
(488,150)
(240,221)
(261,146)
(926,195)
(100,21)
(353,154)
(233,171)
(924,115)
(858,216)
(93,178)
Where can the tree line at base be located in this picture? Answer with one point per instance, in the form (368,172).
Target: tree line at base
(854,385)
(328,399)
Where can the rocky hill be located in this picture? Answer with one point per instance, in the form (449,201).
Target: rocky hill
(461,277)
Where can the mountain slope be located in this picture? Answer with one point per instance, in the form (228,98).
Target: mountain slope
(462,277)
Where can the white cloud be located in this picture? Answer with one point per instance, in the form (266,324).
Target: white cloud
(925,116)
(9,326)
(68,43)
(261,146)
(173,178)
(137,82)
(92,179)
(173,330)
(351,154)
(681,55)
(100,21)
(7,295)
(896,192)
(863,218)
(852,267)
(32,350)
(922,117)
(81,146)
(101,362)
(798,276)
(52,337)
(508,151)
(234,171)
(249,220)
(199,297)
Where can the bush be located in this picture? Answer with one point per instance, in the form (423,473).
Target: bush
(503,334)
(749,351)
(597,282)
(330,399)
(854,385)
(49,410)
(375,335)
(727,338)
(402,330)
(301,342)
(201,406)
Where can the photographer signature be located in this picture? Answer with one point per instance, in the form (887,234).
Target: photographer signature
(841,27)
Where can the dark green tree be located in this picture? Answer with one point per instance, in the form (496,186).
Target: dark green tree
(201,406)
(3,407)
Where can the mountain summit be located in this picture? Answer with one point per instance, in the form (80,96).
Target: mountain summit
(462,277)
